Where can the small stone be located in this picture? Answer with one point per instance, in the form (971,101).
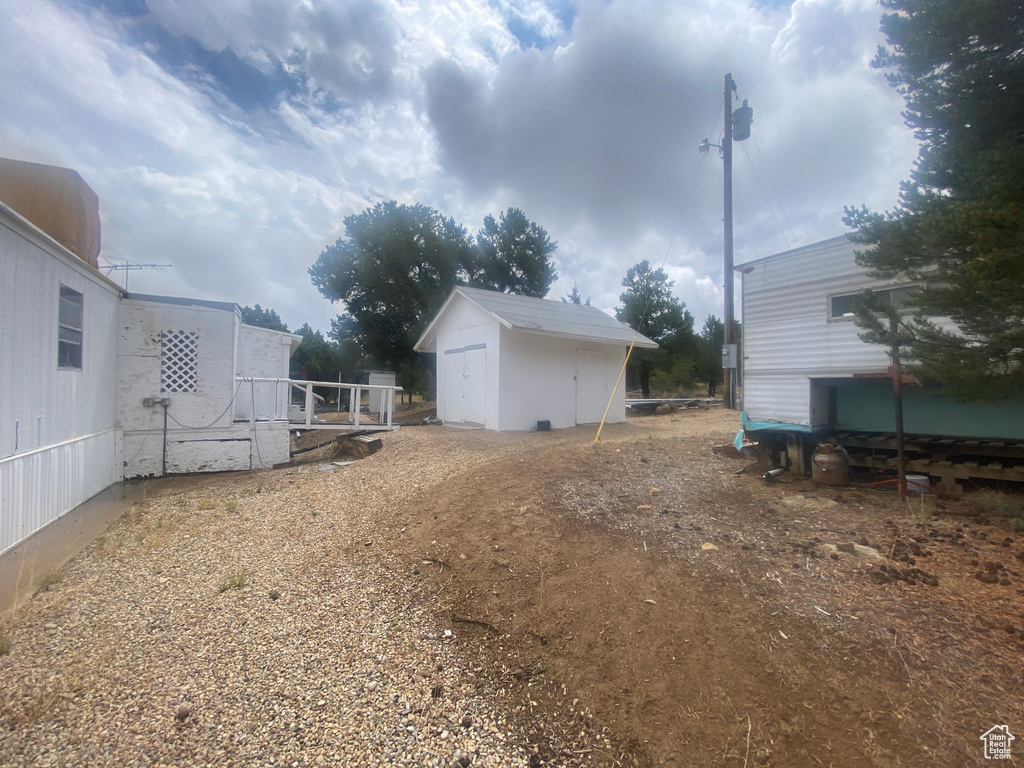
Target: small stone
(184,710)
(707,546)
(371,686)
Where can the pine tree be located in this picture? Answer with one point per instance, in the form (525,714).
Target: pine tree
(958,230)
(514,256)
(263,318)
(649,307)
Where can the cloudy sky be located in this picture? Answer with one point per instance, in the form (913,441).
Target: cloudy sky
(230,138)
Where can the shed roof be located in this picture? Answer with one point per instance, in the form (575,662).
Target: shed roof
(540,316)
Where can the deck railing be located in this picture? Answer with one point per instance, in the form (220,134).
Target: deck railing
(270,400)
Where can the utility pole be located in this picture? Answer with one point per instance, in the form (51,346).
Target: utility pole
(737,128)
(728,377)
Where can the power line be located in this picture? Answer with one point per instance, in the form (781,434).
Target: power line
(772,181)
(766,198)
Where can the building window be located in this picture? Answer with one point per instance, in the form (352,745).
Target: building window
(179,358)
(69,329)
(902,297)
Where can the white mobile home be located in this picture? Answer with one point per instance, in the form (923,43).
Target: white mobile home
(97,385)
(507,362)
(807,372)
(59,439)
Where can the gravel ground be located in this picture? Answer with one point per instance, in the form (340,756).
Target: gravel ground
(264,610)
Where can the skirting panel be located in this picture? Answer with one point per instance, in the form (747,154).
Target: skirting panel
(39,486)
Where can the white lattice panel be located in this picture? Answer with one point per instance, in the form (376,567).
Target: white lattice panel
(179,353)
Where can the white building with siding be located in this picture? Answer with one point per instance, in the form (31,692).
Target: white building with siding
(97,385)
(790,336)
(60,442)
(198,356)
(806,370)
(506,362)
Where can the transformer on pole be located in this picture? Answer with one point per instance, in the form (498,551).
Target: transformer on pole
(737,128)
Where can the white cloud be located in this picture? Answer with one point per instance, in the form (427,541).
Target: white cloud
(593,133)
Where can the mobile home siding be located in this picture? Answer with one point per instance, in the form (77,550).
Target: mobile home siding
(41,404)
(788,336)
(787,330)
(59,443)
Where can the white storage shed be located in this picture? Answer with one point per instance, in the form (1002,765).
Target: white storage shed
(507,362)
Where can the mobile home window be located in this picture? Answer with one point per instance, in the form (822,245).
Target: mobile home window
(840,306)
(69,328)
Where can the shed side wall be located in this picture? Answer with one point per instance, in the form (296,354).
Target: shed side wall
(204,414)
(538,380)
(263,353)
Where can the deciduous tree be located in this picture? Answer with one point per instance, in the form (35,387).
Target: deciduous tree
(393,270)
(263,318)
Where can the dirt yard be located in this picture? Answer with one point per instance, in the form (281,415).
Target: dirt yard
(708,618)
(640,602)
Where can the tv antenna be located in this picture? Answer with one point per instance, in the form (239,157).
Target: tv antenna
(128,266)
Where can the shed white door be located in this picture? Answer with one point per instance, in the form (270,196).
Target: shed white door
(465,385)
(591,386)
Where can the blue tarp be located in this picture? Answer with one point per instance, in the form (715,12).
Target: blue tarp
(775,426)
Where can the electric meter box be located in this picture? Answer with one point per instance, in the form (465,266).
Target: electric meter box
(729,356)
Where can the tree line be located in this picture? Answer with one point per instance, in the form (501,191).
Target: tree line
(396,264)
